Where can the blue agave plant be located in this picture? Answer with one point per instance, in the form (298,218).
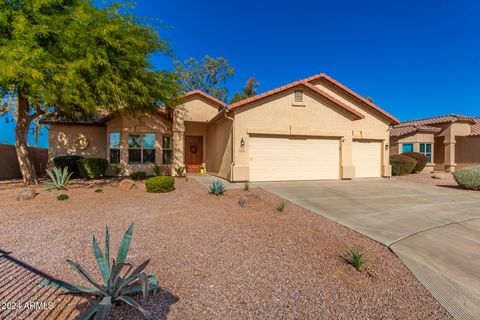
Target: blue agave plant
(115,286)
(217,188)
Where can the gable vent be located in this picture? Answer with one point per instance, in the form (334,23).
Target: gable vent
(298,96)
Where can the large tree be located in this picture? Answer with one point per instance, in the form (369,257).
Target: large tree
(72,58)
(209,75)
(249,90)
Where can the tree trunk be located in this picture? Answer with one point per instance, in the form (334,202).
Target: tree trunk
(21,141)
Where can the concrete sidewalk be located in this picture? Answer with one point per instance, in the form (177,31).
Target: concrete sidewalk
(434,230)
(207,180)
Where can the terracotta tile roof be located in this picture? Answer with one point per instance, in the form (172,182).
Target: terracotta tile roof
(307,83)
(475,127)
(219,103)
(398,131)
(428,124)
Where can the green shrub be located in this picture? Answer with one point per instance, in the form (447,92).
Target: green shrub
(60,179)
(246,187)
(468,178)
(217,188)
(402,165)
(281,206)
(119,284)
(160,171)
(420,158)
(180,171)
(98,190)
(92,168)
(70,162)
(62,197)
(116,170)
(139,175)
(160,184)
(356,257)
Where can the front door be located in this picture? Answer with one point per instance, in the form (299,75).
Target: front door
(193,153)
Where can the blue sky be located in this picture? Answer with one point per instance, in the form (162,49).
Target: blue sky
(415,58)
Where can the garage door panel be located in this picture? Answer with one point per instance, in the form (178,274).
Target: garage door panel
(281,158)
(367,158)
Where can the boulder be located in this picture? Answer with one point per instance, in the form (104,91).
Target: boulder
(441,175)
(248,198)
(127,184)
(26,194)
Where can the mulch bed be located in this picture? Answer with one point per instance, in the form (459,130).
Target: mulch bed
(213,258)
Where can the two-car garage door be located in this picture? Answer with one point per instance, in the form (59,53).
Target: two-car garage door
(274,158)
(286,158)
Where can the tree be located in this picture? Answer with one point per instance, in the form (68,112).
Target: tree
(370,98)
(209,75)
(249,90)
(71,58)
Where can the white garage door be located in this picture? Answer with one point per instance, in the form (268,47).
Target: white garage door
(281,158)
(367,159)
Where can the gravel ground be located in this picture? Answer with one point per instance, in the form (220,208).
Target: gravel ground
(213,259)
(426,178)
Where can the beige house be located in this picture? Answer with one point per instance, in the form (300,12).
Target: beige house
(449,142)
(310,129)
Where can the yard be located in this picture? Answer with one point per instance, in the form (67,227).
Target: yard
(213,258)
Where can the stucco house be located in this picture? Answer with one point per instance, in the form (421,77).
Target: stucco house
(449,142)
(315,128)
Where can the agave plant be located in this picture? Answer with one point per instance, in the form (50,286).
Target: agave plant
(60,179)
(217,188)
(116,287)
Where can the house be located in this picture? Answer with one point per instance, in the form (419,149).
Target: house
(311,129)
(449,142)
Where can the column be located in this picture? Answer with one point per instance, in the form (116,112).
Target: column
(449,146)
(178,130)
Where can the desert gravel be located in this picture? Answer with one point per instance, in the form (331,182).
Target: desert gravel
(213,259)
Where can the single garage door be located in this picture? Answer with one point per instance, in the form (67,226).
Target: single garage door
(289,158)
(367,158)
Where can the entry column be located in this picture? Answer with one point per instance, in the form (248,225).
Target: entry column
(449,146)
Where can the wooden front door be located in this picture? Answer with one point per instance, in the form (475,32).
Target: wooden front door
(193,153)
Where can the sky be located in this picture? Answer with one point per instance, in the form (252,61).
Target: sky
(415,58)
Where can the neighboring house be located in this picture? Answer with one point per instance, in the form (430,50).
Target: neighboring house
(310,129)
(449,142)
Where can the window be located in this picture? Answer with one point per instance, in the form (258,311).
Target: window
(114,147)
(141,148)
(407,147)
(426,149)
(167,154)
(298,96)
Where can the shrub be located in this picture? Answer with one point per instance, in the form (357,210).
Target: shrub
(160,184)
(180,171)
(468,178)
(420,158)
(92,168)
(355,256)
(98,190)
(281,206)
(62,197)
(402,165)
(160,171)
(116,170)
(139,175)
(116,286)
(60,179)
(217,188)
(246,187)
(70,162)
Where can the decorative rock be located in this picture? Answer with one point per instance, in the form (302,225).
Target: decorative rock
(127,184)
(441,175)
(246,198)
(26,194)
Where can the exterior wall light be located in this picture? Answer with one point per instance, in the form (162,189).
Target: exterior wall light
(242,143)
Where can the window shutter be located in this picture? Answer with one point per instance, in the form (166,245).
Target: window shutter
(298,96)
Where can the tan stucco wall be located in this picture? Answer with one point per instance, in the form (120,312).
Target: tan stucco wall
(318,117)
(415,139)
(198,109)
(62,141)
(137,124)
(467,150)
(219,147)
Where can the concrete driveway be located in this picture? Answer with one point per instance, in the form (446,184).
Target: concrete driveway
(434,230)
